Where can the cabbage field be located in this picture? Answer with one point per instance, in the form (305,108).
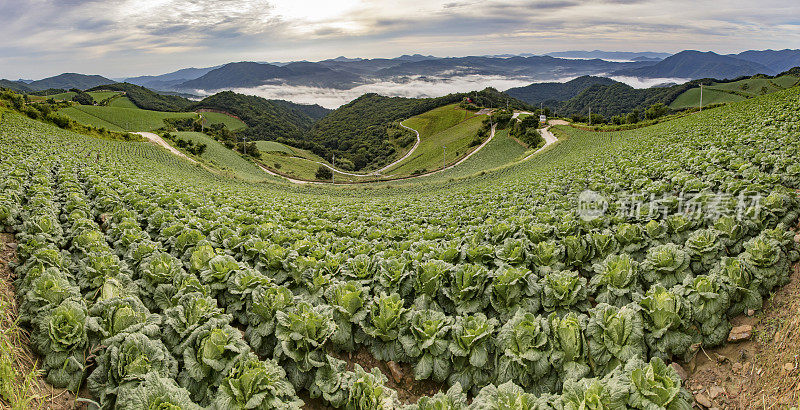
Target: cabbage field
(157,284)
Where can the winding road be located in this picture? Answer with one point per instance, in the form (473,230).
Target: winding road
(549,138)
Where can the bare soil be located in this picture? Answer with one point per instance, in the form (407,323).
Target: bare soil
(408,389)
(762,372)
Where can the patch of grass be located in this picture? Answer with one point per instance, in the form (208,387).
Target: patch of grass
(100,96)
(443,126)
(231,123)
(122,102)
(62,96)
(218,156)
(786,81)
(691,98)
(272,146)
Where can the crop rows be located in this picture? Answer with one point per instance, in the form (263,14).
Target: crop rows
(221,295)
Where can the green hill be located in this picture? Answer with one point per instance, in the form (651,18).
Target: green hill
(550,92)
(67,81)
(17,86)
(359,131)
(147,99)
(687,227)
(266,119)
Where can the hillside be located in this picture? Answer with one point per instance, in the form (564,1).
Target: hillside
(250,74)
(147,99)
(618,98)
(777,60)
(358,131)
(695,64)
(17,86)
(552,92)
(67,81)
(169,80)
(280,121)
(501,263)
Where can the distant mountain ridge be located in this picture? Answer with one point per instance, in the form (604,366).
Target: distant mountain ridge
(69,80)
(693,64)
(251,74)
(169,80)
(777,60)
(610,55)
(554,92)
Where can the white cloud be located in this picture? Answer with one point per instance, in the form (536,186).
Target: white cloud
(115,37)
(414,88)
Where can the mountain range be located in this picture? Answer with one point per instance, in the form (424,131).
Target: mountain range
(346,73)
(695,64)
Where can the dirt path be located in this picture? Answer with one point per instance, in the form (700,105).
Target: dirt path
(155,139)
(549,138)
(408,154)
(475,151)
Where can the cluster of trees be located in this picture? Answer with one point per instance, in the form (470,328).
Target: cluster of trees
(527,131)
(186,145)
(270,120)
(81,97)
(324,173)
(652,112)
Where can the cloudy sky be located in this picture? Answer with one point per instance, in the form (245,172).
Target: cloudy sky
(119,38)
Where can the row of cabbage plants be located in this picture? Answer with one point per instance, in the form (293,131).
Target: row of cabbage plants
(497,282)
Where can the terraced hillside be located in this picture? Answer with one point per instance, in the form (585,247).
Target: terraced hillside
(555,282)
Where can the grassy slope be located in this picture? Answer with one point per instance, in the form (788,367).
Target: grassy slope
(716,93)
(292,166)
(126,119)
(122,102)
(272,146)
(99,96)
(441,126)
(224,159)
(786,81)
(691,98)
(231,123)
(130,119)
(62,96)
(501,150)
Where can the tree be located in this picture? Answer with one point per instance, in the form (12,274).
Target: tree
(324,173)
(82,98)
(633,117)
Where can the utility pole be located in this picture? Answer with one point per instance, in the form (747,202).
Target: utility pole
(333,174)
(444,157)
(590,115)
(245,146)
(701,97)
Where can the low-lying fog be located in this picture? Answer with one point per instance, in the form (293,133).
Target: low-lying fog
(415,87)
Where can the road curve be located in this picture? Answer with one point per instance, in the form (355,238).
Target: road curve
(549,138)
